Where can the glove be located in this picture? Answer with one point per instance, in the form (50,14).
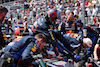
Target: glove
(16,56)
(79,58)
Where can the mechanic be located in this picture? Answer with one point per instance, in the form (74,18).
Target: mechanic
(44,24)
(22,48)
(87,31)
(70,24)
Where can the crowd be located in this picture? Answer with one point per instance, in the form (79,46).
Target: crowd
(37,8)
(60,24)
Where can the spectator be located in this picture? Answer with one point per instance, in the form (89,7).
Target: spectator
(94,2)
(31,14)
(90,4)
(3,12)
(86,3)
(13,24)
(9,25)
(94,19)
(76,11)
(78,4)
(25,25)
(34,9)
(89,12)
(6,23)
(18,11)
(61,7)
(37,15)
(52,2)
(20,21)
(94,13)
(81,4)
(80,13)
(98,21)
(67,11)
(99,2)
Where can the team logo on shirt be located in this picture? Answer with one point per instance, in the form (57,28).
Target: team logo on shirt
(75,35)
(34,49)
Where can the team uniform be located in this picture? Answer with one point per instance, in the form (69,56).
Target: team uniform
(90,33)
(19,49)
(40,27)
(64,26)
(44,24)
(72,41)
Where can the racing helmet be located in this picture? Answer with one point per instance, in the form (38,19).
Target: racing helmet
(54,14)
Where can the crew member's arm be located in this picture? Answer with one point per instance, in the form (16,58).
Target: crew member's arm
(95,52)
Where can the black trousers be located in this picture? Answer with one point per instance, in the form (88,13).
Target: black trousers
(27,62)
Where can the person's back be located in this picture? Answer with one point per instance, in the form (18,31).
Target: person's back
(90,33)
(94,11)
(22,49)
(14,50)
(87,31)
(40,26)
(16,46)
